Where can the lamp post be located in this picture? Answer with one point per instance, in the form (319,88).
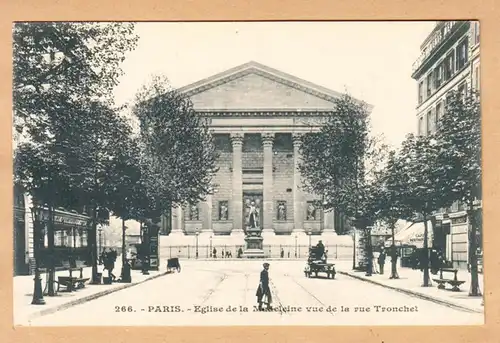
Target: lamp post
(197,234)
(36,214)
(125,272)
(210,245)
(295,246)
(100,243)
(309,234)
(354,248)
(145,250)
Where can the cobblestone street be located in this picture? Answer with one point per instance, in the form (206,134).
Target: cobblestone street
(204,291)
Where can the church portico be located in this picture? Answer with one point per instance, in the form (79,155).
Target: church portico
(257,116)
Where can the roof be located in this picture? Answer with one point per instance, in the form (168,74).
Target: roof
(253,67)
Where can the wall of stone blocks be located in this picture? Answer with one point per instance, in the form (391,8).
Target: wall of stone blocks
(224,181)
(283,180)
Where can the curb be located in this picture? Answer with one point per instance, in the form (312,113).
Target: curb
(90,297)
(416,294)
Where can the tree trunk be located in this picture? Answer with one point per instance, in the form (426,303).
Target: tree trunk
(93,247)
(427,282)
(124,258)
(369,252)
(354,249)
(472,229)
(394,255)
(52,258)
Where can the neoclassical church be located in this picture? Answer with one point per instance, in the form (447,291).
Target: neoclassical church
(257,115)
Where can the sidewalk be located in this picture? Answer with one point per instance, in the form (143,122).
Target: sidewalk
(410,282)
(23,292)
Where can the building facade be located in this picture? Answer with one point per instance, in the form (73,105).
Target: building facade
(70,235)
(257,115)
(449,61)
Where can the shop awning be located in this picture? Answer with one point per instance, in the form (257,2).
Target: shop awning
(414,235)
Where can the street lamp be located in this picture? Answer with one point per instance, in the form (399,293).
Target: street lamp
(295,246)
(125,272)
(100,243)
(197,234)
(354,249)
(145,249)
(36,214)
(309,234)
(210,245)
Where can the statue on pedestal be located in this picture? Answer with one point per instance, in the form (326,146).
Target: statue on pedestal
(253,216)
(253,237)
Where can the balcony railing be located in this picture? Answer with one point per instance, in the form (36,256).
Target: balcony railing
(437,38)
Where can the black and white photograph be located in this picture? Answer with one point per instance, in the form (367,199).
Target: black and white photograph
(284,173)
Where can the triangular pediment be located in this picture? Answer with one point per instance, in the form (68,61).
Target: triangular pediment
(253,86)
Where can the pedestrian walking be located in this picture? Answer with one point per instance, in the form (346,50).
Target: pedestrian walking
(375,256)
(282,254)
(109,262)
(240,252)
(215,253)
(381,261)
(263,291)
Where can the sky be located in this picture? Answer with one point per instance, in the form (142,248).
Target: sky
(372,61)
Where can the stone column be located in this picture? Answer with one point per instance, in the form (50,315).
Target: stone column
(237,199)
(268,215)
(329,223)
(207,215)
(298,194)
(177,222)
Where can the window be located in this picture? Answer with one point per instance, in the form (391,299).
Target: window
(462,89)
(448,65)
(476,78)
(430,122)
(448,99)
(429,84)
(462,54)
(421,125)
(438,76)
(476,32)
(420,92)
(439,114)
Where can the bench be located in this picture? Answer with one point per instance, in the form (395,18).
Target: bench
(455,283)
(72,282)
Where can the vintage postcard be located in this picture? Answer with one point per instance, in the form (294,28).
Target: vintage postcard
(247,173)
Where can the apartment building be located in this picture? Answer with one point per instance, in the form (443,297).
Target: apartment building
(449,60)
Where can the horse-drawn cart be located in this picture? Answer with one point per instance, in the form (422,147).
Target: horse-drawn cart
(317,263)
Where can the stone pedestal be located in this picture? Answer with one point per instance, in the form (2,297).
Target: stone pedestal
(254,244)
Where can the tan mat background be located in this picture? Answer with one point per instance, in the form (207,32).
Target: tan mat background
(199,10)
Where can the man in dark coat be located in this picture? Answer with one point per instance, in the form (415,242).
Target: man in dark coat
(320,250)
(263,290)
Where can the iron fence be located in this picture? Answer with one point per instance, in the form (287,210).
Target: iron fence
(336,251)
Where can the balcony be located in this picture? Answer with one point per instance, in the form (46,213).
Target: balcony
(435,41)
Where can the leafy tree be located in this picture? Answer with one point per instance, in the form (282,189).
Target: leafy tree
(340,162)
(178,157)
(390,207)
(422,183)
(58,68)
(129,197)
(57,62)
(459,136)
(91,156)
(40,169)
